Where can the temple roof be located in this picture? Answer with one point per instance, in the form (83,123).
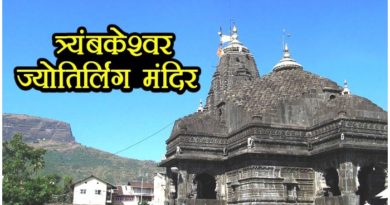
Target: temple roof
(288,111)
(287,96)
(295,96)
(291,95)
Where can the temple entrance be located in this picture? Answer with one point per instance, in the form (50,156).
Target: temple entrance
(371,182)
(332,181)
(205,186)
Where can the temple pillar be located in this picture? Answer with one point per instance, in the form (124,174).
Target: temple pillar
(348,182)
(220,187)
(191,186)
(320,183)
(182,184)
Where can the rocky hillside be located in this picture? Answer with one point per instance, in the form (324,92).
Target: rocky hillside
(35,129)
(82,161)
(65,156)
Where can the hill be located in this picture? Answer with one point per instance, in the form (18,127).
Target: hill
(65,156)
(36,129)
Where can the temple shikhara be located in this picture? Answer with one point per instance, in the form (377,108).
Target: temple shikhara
(287,137)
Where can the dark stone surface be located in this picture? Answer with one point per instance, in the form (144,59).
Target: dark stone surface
(198,202)
(35,129)
(272,139)
(338,200)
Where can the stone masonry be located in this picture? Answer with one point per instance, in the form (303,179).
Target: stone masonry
(288,137)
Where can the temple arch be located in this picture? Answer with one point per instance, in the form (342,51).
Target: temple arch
(332,181)
(205,186)
(371,182)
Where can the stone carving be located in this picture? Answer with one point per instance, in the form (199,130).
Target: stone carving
(357,178)
(193,192)
(251,142)
(217,186)
(283,134)
(224,151)
(323,187)
(202,139)
(178,150)
(221,193)
(292,193)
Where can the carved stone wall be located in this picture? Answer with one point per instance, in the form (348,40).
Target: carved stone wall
(269,184)
(314,140)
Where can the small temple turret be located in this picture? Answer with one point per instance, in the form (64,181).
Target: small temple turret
(200,107)
(286,62)
(233,44)
(346,90)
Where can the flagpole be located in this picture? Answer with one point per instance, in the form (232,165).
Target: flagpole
(284,38)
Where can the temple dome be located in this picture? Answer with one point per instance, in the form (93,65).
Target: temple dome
(297,97)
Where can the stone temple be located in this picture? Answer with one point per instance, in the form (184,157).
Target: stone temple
(288,137)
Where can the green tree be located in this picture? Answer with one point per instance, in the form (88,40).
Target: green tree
(21,185)
(65,193)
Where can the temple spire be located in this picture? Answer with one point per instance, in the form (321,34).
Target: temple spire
(236,68)
(286,52)
(234,33)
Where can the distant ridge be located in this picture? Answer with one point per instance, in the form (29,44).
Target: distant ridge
(36,128)
(65,156)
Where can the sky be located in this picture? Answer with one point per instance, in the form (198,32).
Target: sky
(337,39)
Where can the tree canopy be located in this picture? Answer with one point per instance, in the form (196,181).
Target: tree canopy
(21,184)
